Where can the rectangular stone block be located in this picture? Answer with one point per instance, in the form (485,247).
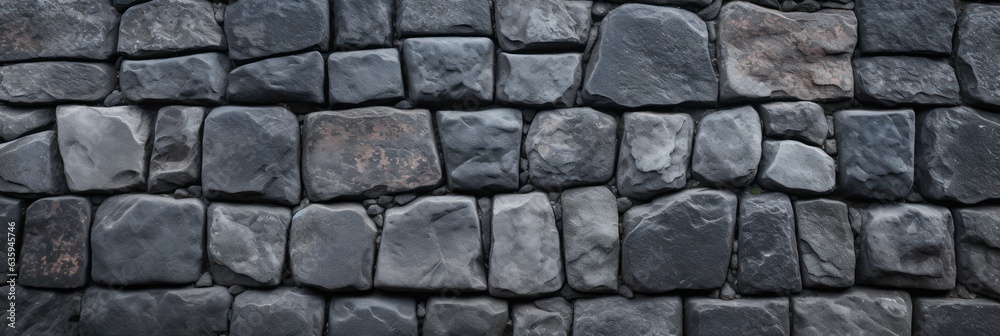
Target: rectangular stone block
(155,312)
(550,80)
(247,243)
(481,149)
(905,26)
(56,82)
(976,49)
(42,312)
(525,258)
(332,247)
(571,147)
(590,239)
(290,311)
(905,245)
(449,70)
(616,315)
(161,28)
(768,257)
(483,315)
(56,243)
(749,316)
(83,29)
(365,77)
(977,249)
(904,80)
(655,153)
(372,315)
(954,316)
(295,78)
(443,17)
(826,243)
(552,25)
(362,24)
(191,79)
(857,311)
(175,161)
(259,28)
(875,152)
(104,149)
(31,165)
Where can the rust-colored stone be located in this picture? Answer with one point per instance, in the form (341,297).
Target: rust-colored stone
(56,243)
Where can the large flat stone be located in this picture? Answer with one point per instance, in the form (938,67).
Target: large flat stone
(802,121)
(948,167)
(542,25)
(481,149)
(905,26)
(444,17)
(175,161)
(875,153)
(552,316)
(976,48)
(757,316)
(727,147)
(905,245)
(977,249)
(484,316)
(947,316)
(905,80)
(826,243)
(43,312)
(365,77)
(655,153)
(246,244)
(525,258)
(571,147)
(550,80)
(261,28)
(372,315)
(362,24)
(31,165)
(590,239)
(857,311)
(768,255)
(332,247)
(163,27)
(56,82)
(195,79)
(82,29)
(104,149)
(449,70)
(796,168)
(17,121)
(289,311)
(616,315)
(55,251)
(155,312)
(294,78)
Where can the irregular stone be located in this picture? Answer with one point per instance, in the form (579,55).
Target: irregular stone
(147,240)
(372,315)
(175,161)
(484,316)
(946,316)
(615,315)
(727,147)
(679,241)
(654,155)
(197,79)
(155,312)
(796,168)
(525,258)
(875,153)
(56,82)
(164,27)
(441,70)
(481,149)
(365,76)
(552,316)
(443,17)
(538,80)
(55,250)
(758,316)
(43,312)
(857,311)
(246,244)
(803,121)
(18,121)
(571,147)
(905,26)
(31,165)
(104,149)
(362,24)
(590,239)
(332,247)
(368,151)
(977,247)
(826,243)
(976,48)
(768,254)
(295,78)
(251,154)
(432,244)
(808,55)
(947,167)
(650,56)
(261,28)
(82,29)
(905,80)
(905,245)
(289,311)
(545,25)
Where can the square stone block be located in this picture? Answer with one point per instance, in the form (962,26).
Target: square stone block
(449,70)
(261,28)
(31,165)
(365,76)
(289,311)
(246,244)
(875,153)
(571,147)
(905,245)
(538,80)
(332,247)
(104,149)
(481,149)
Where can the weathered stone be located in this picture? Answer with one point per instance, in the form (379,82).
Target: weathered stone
(198,79)
(442,70)
(368,151)
(803,121)
(655,152)
(590,239)
(444,17)
(261,28)
(155,312)
(525,258)
(31,165)
(251,154)
(332,247)
(727,147)
(552,316)
(246,244)
(432,244)
(875,153)
(42,312)
(542,25)
(808,55)
(146,240)
(294,78)
(12,211)
(538,80)
(481,149)
(56,82)
(175,161)
(55,251)
(948,166)
(905,80)
(163,27)
(826,243)
(484,316)
(18,121)
(905,245)
(83,29)
(905,26)
(679,241)
(978,44)
(373,315)
(362,24)
(104,149)
(977,249)
(365,76)
(650,56)
(571,147)
(761,316)
(796,168)
(289,311)
(768,256)
(857,311)
(615,315)
(946,316)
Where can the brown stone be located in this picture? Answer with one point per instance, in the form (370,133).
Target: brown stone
(56,243)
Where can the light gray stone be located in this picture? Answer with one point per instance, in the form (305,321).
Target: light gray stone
(83,29)
(615,315)
(373,315)
(542,25)
(905,245)
(332,247)
(175,161)
(796,168)
(288,311)
(768,255)
(18,121)
(56,82)
(590,239)
(550,80)
(826,243)
(655,153)
(294,78)
(484,316)
(155,312)
(442,70)
(31,165)
(481,149)
(977,249)
(905,80)
(857,311)
(552,316)
(571,147)
(246,244)
(163,27)
(525,258)
(261,28)
(976,48)
(757,316)
(365,76)
(875,153)
(727,147)
(803,121)
(948,165)
(444,17)
(953,316)
(362,24)
(104,149)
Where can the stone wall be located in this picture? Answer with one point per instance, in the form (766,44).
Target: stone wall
(477,167)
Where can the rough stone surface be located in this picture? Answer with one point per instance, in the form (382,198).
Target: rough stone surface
(332,247)
(31,165)
(654,155)
(261,28)
(826,243)
(18,121)
(175,161)
(442,70)
(905,26)
(362,24)
(197,79)
(56,82)
(905,245)
(289,311)
(83,29)
(552,316)
(942,316)
(538,80)
(590,239)
(484,316)
(246,244)
(56,243)
(155,312)
(905,80)
(727,147)
(768,254)
(759,316)
(796,168)
(43,312)
(571,147)
(875,153)
(163,27)
(525,258)
(955,157)
(533,25)
(294,78)
(650,56)
(615,315)
(481,149)
(975,54)
(977,249)
(444,17)
(372,315)
(104,149)
(365,76)
(803,121)
(857,311)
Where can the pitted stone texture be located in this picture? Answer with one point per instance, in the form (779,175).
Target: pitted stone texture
(548,80)
(294,78)
(147,240)
(616,315)
(289,311)
(332,247)
(251,154)
(155,312)
(362,24)
(655,153)
(571,147)
(481,149)
(162,27)
(552,316)
(449,70)
(432,244)
(948,166)
(857,311)
(56,82)
(84,29)
(975,55)
(261,28)
(55,251)
(948,316)
(727,147)
(768,253)
(590,239)
(803,121)
(17,121)
(42,312)
(977,249)
(650,56)
(826,243)
(246,244)
(368,152)
(104,149)
(808,55)
(525,258)
(31,165)
(680,241)
(905,246)
(484,316)
(758,316)
(372,315)
(542,25)
(444,17)
(875,153)
(796,168)
(175,161)
(905,26)
(196,79)
(365,76)
(905,80)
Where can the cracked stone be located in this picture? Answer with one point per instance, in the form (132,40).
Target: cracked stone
(905,245)
(768,253)
(654,155)
(444,17)
(590,239)
(55,250)
(373,315)
(947,167)
(857,311)
(261,28)
(449,70)
(946,316)
(362,24)
(163,27)
(525,258)
(56,82)
(977,45)
(546,25)
(195,79)
(803,121)
(82,29)
(484,316)
(615,315)
(727,147)
(905,26)
(332,247)
(155,312)
(977,247)
(538,80)
(104,149)
(571,147)
(481,149)
(826,243)
(875,153)
(175,161)
(796,168)
(365,76)
(552,316)
(756,316)
(294,78)
(289,311)
(31,165)
(18,121)
(905,80)
(246,244)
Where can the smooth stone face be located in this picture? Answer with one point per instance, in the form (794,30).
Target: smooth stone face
(948,165)
(904,80)
(905,245)
(768,254)
(763,316)
(654,155)
(17,121)
(650,56)
(727,147)
(175,161)
(571,147)
(261,28)
(484,316)
(58,29)
(362,24)
(977,249)
(372,315)
(796,168)
(875,153)
(590,239)
(148,240)
(251,154)
(43,312)
(538,80)
(481,149)
(552,316)
(162,27)
(365,76)
(542,25)
(332,247)
(368,151)
(525,258)
(289,311)
(803,121)
(198,79)
(56,82)
(679,241)
(448,70)
(246,244)
(31,165)
(443,17)
(975,55)
(295,78)
(104,149)
(616,315)
(858,311)
(155,312)
(432,244)
(941,316)
(826,243)
(905,26)
(55,250)
(808,55)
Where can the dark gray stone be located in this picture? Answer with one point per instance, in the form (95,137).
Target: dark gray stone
(288,311)
(18,121)
(104,149)
(803,121)
(552,316)
(768,253)
(550,80)
(365,76)
(12,210)
(147,240)
(672,3)
(373,315)
(441,70)
(484,316)
(481,149)
(542,25)
(905,26)
(679,241)
(571,147)
(727,147)
(31,165)
(362,24)
(42,312)
(261,28)
(163,27)
(796,168)
(84,29)
(761,316)
(197,79)
(905,80)
(295,78)
(332,247)
(650,56)
(826,243)
(590,239)
(525,258)
(615,315)
(947,316)
(444,17)
(905,245)
(955,157)
(175,161)
(246,244)
(977,46)
(655,153)
(977,249)
(251,154)
(155,312)
(55,250)
(56,82)
(875,153)
(857,311)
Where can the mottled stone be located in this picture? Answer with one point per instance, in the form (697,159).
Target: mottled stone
(947,316)
(542,25)
(857,311)
(18,121)
(905,80)
(977,249)
(763,316)
(905,245)
(55,251)
(548,80)
(654,155)
(826,243)
(288,311)
(175,161)
(294,78)
(484,316)
(362,24)
(571,147)
(796,168)
(31,165)
(155,312)
(615,315)
(163,27)
(803,121)
(875,153)
(43,312)
(372,315)
(978,44)
(727,147)
(955,157)
(768,256)
(590,239)
(365,76)
(552,316)
(481,149)
(84,29)
(332,247)
(197,79)
(905,26)
(104,149)
(246,244)
(442,70)
(443,17)
(261,28)
(525,258)
(56,82)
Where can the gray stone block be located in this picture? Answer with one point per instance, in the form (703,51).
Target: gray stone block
(155,312)
(905,80)
(484,316)
(977,249)
(955,158)
(175,161)
(525,258)
(905,246)
(261,28)
(31,165)
(803,121)
(655,153)
(55,244)
(164,27)
(571,147)
(552,316)
(550,80)
(373,315)
(615,315)
(56,82)
(288,311)
(826,243)
(481,149)
(365,76)
(104,149)
(975,53)
(17,121)
(43,312)
(796,168)
(444,17)
(332,247)
(875,153)
(948,316)
(362,24)
(857,311)
(590,239)
(449,70)
(905,26)
(768,253)
(194,79)
(82,29)
(727,147)
(246,244)
(758,316)
(551,24)
(294,78)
